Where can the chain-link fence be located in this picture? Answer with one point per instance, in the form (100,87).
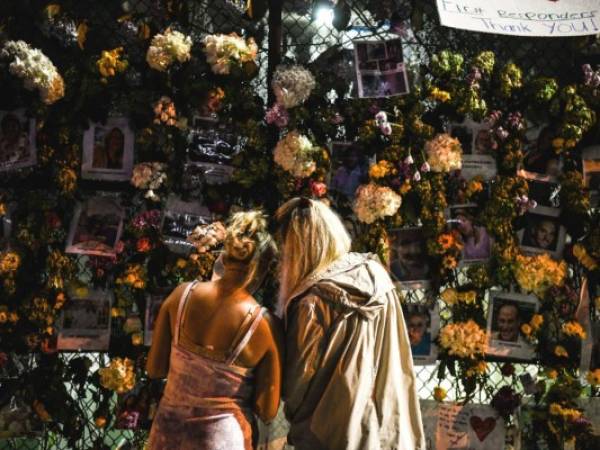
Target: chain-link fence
(307,37)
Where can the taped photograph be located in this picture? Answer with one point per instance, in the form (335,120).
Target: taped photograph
(422,325)
(349,169)
(96,227)
(477,243)
(108,151)
(85,322)
(179,220)
(542,233)
(17,140)
(507,311)
(408,257)
(543,189)
(212,145)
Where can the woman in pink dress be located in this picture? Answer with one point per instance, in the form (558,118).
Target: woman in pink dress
(220,351)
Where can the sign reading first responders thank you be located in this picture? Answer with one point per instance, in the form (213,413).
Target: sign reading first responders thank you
(541,18)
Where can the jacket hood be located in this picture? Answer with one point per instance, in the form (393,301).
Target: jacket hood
(356,282)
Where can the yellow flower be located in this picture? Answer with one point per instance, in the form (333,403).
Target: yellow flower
(381,169)
(526,329)
(439,95)
(117,312)
(570,143)
(110,62)
(181,263)
(560,351)
(2,209)
(139,284)
(449,296)
(9,262)
(584,258)
(551,373)
(439,394)
(119,376)
(40,410)
(536,321)
(463,339)
(137,339)
(558,143)
(468,297)
(593,377)
(449,262)
(405,187)
(3,316)
(573,329)
(538,273)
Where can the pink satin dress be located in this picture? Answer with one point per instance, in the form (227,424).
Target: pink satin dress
(207,403)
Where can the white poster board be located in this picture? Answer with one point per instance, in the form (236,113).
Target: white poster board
(541,18)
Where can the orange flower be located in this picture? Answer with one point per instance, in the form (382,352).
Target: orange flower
(449,262)
(446,240)
(560,351)
(143,245)
(439,394)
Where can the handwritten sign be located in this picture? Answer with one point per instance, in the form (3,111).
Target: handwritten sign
(540,18)
(449,426)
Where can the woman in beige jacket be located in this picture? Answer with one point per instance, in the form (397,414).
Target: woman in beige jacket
(348,379)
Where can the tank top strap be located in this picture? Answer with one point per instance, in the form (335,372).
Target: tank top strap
(182,302)
(233,355)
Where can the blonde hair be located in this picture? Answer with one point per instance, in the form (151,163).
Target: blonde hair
(249,243)
(312,237)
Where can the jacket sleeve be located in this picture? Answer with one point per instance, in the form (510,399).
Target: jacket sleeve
(304,347)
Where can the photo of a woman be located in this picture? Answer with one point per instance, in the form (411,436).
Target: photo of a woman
(475,238)
(109,153)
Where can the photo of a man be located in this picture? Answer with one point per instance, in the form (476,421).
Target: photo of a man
(506,313)
(541,232)
(408,260)
(508,323)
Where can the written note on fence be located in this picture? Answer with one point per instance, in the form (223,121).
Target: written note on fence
(543,18)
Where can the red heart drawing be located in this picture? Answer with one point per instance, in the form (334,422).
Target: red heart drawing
(482,427)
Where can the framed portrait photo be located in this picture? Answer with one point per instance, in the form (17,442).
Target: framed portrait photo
(591,173)
(408,257)
(108,151)
(179,220)
(542,233)
(96,227)
(477,243)
(507,311)
(85,322)
(540,156)
(17,141)
(423,325)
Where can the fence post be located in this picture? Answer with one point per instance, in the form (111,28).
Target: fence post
(275,41)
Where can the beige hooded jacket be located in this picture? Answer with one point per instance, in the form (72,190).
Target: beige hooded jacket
(349,382)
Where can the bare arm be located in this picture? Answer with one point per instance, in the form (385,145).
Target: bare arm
(157,364)
(268,371)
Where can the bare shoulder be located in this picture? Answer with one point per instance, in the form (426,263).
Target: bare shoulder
(270,327)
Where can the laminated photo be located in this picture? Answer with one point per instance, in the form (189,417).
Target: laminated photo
(540,156)
(108,151)
(591,173)
(483,166)
(544,189)
(349,169)
(408,257)
(422,325)
(17,418)
(96,227)
(17,141)
(153,304)
(477,243)
(507,311)
(212,145)
(380,68)
(543,233)
(85,322)
(179,220)
(475,137)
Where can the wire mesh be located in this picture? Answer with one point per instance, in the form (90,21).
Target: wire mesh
(306,38)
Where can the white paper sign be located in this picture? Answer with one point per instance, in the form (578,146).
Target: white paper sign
(523,17)
(449,426)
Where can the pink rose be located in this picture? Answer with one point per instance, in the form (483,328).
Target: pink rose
(318,188)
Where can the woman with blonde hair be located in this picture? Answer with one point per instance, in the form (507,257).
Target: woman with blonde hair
(220,351)
(348,374)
